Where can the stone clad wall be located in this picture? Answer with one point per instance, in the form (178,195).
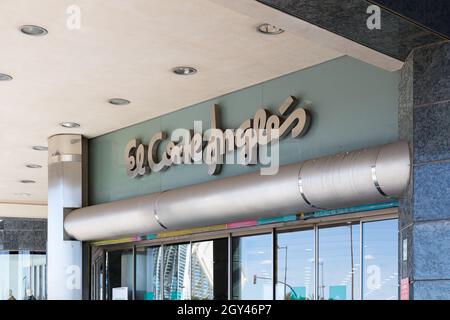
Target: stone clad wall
(23,234)
(424,119)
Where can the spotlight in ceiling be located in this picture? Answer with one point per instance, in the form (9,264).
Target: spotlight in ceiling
(32,30)
(27,181)
(119,101)
(184,71)
(33,166)
(5,77)
(40,148)
(69,125)
(267,28)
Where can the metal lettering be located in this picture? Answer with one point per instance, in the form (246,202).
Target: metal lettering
(188,146)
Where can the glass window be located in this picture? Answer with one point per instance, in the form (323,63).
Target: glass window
(295,265)
(252,267)
(380,263)
(23,275)
(148,273)
(199,270)
(339,263)
(119,275)
(176,272)
(209,270)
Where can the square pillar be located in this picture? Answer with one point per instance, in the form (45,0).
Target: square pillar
(424,120)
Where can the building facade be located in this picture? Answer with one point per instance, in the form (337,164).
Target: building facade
(302,159)
(337,253)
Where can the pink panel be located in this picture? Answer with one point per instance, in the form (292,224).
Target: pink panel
(241,224)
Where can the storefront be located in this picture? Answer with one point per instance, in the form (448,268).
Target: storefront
(353,256)
(325,226)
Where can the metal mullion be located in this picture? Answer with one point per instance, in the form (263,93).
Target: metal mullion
(190,271)
(361,259)
(161,273)
(230,267)
(134,273)
(274,263)
(316,262)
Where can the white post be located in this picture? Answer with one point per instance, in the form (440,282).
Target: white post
(65,192)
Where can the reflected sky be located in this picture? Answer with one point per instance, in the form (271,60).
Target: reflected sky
(252,267)
(339,262)
(380,252)
(190,269)
(295,265)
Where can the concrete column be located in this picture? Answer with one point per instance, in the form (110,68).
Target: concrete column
(424,120)
(67,154)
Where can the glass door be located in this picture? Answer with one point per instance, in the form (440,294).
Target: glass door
(209,270)
(252,267)
(380,260)
(295,265)
(176,272)
(119,274)
(338,267)
(148,273)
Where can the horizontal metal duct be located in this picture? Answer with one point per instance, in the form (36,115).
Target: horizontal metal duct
(347,179)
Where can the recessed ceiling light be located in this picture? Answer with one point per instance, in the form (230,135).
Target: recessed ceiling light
(267,28)
(70,125)
(5,77)
(184,71)
(32,30)
(119,101)
(40,148)
(33,166)
(27,181)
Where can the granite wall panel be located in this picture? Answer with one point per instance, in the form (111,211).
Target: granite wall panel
(424,120)
(431,243)
(17,234)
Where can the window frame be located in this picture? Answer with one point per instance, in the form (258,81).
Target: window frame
(273,229)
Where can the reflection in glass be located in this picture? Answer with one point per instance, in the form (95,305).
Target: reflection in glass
(202,273)
(176,272)
(252,267)
(23,275)
(295,269)
(98,271)
(380,263)
(119,275)
(209,270)
(148,271)
(339,263)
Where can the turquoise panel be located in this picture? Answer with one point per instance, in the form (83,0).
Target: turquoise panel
(353,105)
(338,293)
(300,293)
(368,207)
(292,217)
(149,296)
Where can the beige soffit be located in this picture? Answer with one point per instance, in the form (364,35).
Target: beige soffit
(311,32)
(20,210)
(123,49)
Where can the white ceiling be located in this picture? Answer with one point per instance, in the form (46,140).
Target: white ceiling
(124,49)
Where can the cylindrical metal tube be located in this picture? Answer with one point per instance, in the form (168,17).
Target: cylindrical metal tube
(347,179)
(110,220)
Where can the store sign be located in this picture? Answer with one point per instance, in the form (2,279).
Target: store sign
(216,145)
